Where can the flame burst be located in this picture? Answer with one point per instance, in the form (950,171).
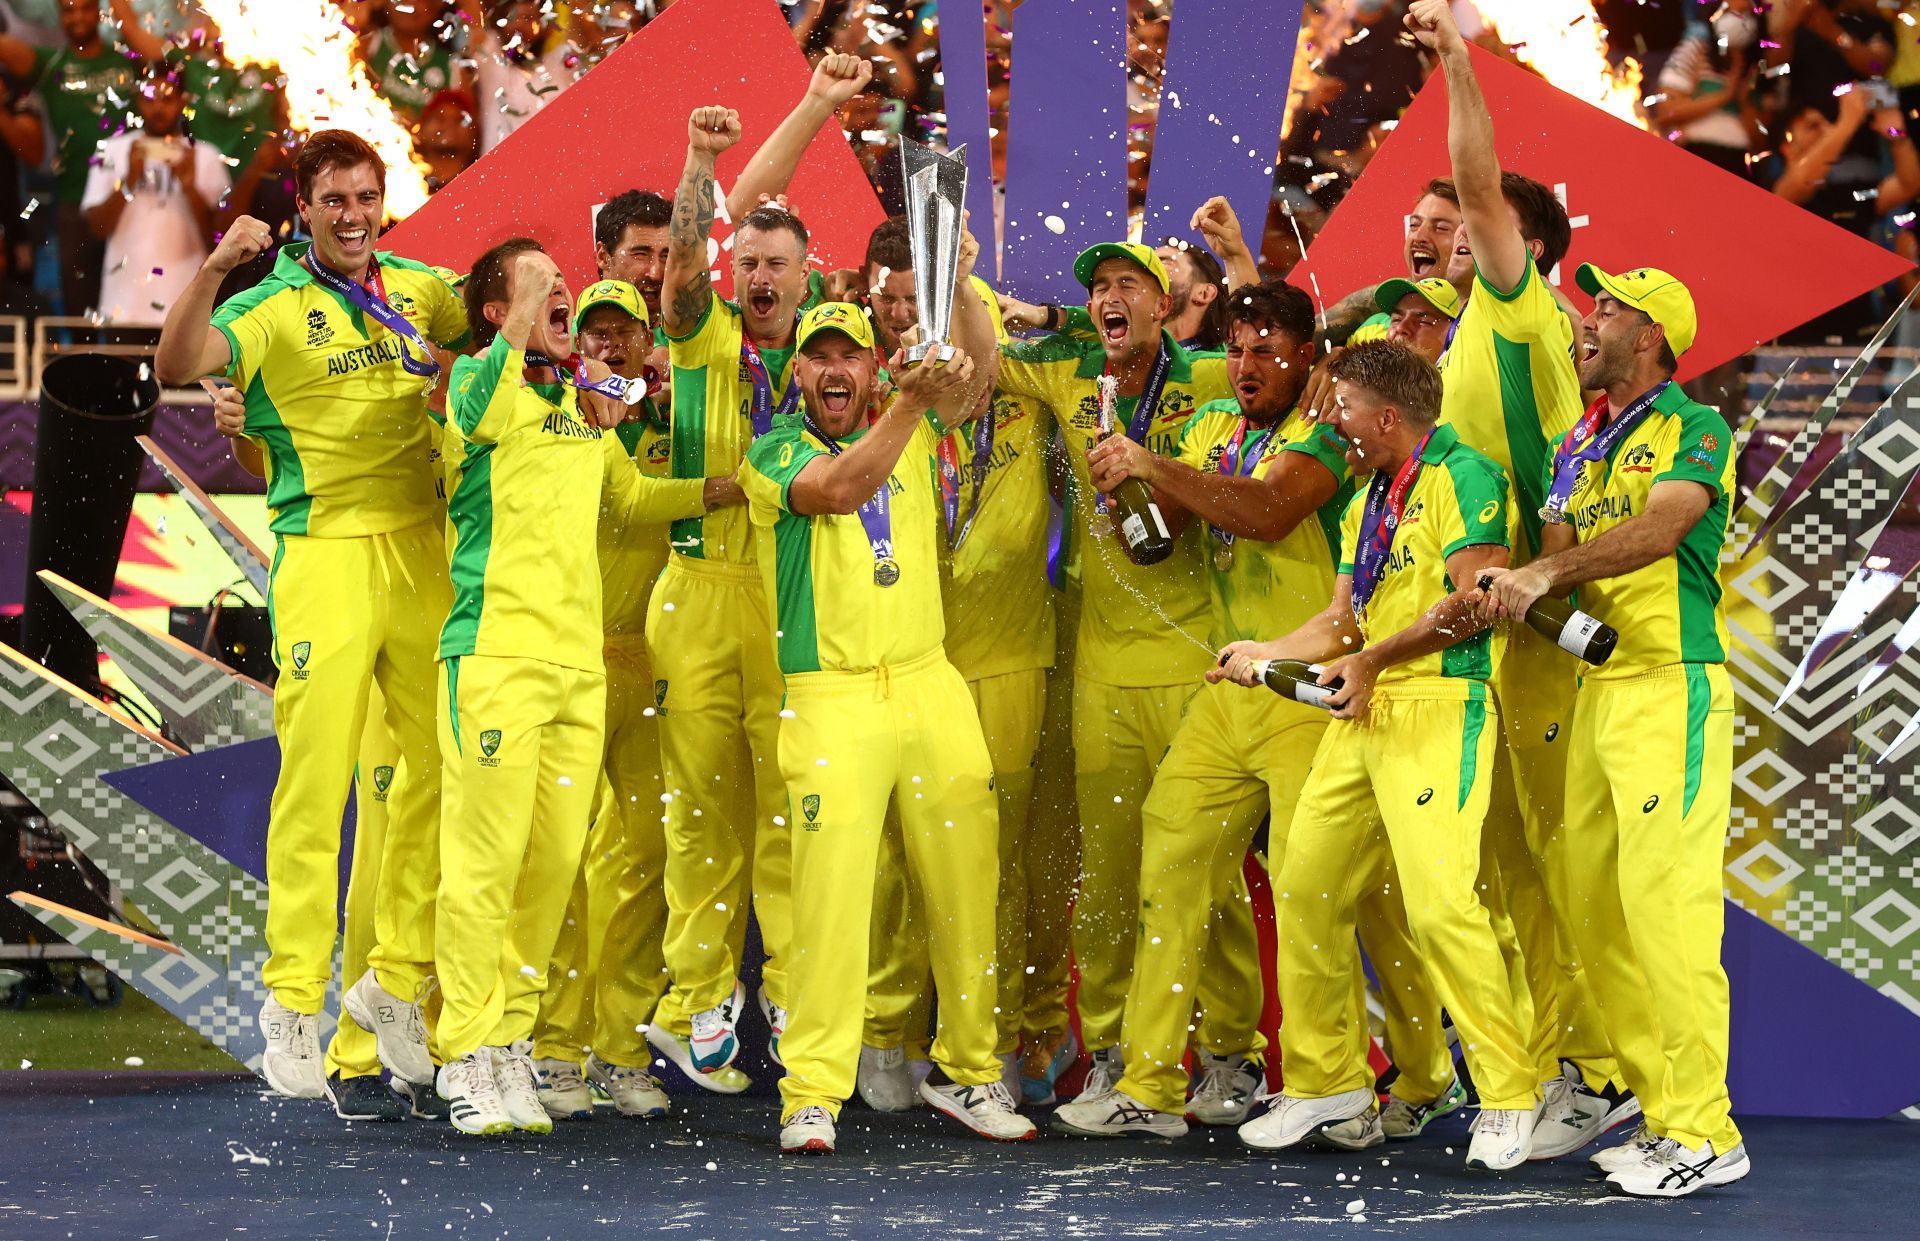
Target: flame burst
(1565,43)
(326,86)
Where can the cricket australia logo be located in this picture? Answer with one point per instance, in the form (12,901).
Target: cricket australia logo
(302,652)
(319,331)
(400,302)
(660,696)
(382,782)
(489,745)
(810,807)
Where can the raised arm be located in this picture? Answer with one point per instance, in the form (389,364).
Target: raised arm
(16,57)
(1253,508)
(144,43)
(190,346)
(1216,222)
(841,483)
(1808,167)
(688,290)
(973,335)
(837,78)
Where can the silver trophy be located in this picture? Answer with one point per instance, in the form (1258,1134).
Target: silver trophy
(936,190)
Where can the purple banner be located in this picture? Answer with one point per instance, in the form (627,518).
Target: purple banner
(184,431)
(963,73)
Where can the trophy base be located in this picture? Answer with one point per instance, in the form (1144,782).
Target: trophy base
(938,352)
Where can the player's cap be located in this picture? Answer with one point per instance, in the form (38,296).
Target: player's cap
(842,317)
(1132,251)
(611,293)
(1656,294)
(1440,294)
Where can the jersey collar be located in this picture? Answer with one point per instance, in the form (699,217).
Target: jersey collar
(289,266)
(1443,441)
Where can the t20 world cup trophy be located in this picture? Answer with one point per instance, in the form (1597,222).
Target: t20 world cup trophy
(936,188)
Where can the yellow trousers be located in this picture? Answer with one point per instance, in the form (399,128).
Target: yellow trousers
(1650,788)
(852,741)
(718,690)
(522,740)
(351,1051)
(608,970)
(348,615)
(1420,769)
(900,973)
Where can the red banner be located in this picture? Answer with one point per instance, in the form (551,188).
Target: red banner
(1756,264)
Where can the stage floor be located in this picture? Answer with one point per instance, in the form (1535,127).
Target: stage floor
(126,1155)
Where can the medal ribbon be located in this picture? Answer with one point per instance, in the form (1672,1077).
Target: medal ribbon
(1386,500)
(1232,465)
(1582,445)
(876,515)
(625,391)
(764,412)
(951,482)
(373,301)
(1144,410)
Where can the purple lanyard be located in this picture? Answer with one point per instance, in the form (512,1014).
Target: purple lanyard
(625,391)
(764,412)
(1581,445)
(1144,409)
(374,302)
(1234,466)
(876,515)
(1379,521)
(951,483)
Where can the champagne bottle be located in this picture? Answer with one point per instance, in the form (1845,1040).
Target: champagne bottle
(1142,527)
(1577,633)
(1298,680)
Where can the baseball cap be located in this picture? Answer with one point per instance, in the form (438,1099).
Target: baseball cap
(842,317)
(610,293)
(1132,251)
(1656,294)
(1439,294)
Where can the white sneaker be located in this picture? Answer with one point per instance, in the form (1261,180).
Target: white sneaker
(1103,1076)
(398,1028)
(1228,1086)
(473,1097)
(1573,1115)
(1634,1150)
(1349,1120)
(808,1131)
(715,1033)
(513,1073)
(1401,1121)
(292,1064)
(884,1081)
(776,1026)
(679,1053)
(1671,1170)
(1117,1114)
(1501,1138)
(563,1092)
(634,1091)
(987,1110)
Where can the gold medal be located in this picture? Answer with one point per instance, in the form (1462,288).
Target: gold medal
(885,572)
(1222,554)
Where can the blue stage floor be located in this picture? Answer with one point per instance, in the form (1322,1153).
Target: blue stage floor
(133,1156)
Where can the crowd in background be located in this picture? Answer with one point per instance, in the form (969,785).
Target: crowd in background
(126,119)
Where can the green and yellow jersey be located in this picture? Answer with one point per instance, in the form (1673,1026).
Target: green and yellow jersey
(1458,500)
(1669,611)
(1511,388)
(529,486)
(632,555)
(342,424)
(1132,617)
(1273,587)
(1373,327)
(830,614)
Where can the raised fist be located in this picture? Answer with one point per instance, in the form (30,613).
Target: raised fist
(713,129)
(839,77)
(245,239)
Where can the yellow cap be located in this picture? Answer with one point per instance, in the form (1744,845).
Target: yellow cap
(1440,294)
(1656,294)
(1132,251)
(842,317)
(611,293)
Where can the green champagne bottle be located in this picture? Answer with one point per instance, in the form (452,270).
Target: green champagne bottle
(1578,633)
(1298,680)
(1142,526)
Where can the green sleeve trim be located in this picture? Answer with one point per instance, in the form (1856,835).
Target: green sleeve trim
(1047,349)
(1526,278)
(1693,461)
(779,456)
(234,358)
(475,383)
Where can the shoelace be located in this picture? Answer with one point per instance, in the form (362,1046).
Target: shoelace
(1498,1123)
(996,1092)
(481,1089)
(1217,1084)
(811,1116)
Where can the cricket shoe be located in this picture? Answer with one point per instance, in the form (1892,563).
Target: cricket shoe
(1042,1063)
(1117,1114)
(634,1091)
(1671,1170)
(1634,1150)
(1502,1137)
(716,1038)
(1349,1121)
(364,1098)
(678,1052)
(291,1063)
(398,1028)
(1103,1075)
(513,1073)
(776,1026)
(473,1097)
(563,1091)
(808,1131)
(424,1100)
(1228,1087)
(1573,1114)
(1402,1121)
(986,1109)
(884,1081)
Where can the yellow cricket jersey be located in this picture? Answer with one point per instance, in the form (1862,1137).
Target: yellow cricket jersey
(1511,388)
(528,490)
(829,612)
(1269,588)
(1669,611)
(632,555)
(1132,618)
(342,423)
(999,605)
(1458,500)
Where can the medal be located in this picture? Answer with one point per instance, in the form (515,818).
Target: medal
(1589,441)
(886,572)
(1235,464)
(1223,553)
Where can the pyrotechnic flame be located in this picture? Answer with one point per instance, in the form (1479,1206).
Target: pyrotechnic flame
(1565,43)
(326,86)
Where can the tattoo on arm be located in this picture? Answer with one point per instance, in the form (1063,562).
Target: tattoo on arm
(692,224)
